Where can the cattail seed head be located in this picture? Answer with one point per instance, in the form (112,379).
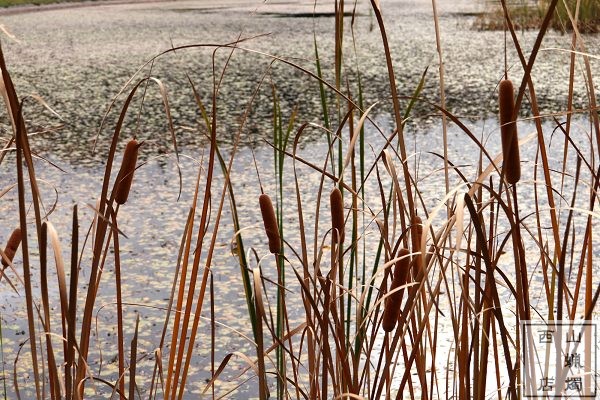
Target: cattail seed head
(508,129)
(337,215)
(416,228)
(270,221)
(125,176)
(11,246)
(392,302)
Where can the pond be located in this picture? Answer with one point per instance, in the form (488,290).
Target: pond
(79,58)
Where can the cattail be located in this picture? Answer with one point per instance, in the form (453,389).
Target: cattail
(392,302)
(11,247)
(416,228)
(337,215)
(508,129)
(125,176)
(270,221)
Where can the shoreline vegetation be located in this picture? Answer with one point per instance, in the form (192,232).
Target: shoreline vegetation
(24,3)
(8,7)
(378,267)
(529,15)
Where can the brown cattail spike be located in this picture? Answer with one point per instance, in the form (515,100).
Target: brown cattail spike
(337,215)
(270,221)
(125,176)
(416,227)
(508,129)
(392,303)
(11,247)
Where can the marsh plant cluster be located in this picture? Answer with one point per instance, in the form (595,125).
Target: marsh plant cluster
(360,286)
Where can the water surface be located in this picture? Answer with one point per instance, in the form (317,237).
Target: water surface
(78,59)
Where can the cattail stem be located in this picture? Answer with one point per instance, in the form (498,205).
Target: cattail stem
(270,222)
(508,128)
(125,176)
(11,247)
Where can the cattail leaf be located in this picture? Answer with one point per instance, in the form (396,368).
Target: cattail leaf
(357,128)
(133,359)
(165,97)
